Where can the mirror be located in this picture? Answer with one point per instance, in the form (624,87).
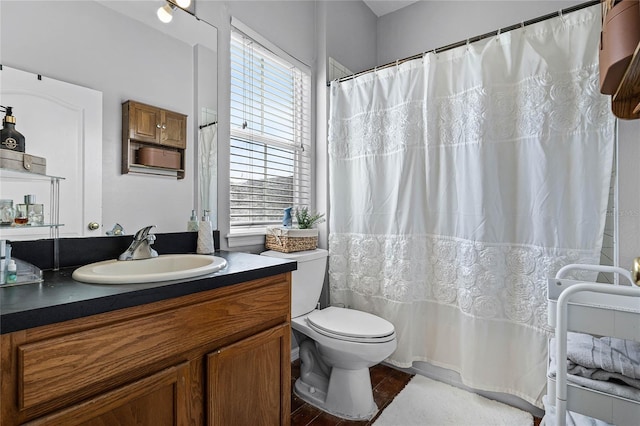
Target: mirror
(121,49)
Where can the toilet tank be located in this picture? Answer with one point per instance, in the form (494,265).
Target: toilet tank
(307,280)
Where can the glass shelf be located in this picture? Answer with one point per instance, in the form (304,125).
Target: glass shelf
(22,175)
(54,209)
(19,227)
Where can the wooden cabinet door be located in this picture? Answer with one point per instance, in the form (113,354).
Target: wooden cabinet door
(157,400)
(145,122)
(249,382)
(174,129)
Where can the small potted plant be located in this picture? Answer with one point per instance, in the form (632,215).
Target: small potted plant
(307,220)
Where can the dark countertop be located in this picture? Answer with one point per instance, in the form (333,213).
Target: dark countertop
(60,298)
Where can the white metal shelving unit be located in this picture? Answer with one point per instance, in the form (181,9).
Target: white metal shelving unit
(598,309)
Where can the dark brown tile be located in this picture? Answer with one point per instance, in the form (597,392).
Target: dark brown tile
(345,422)
(296,402)
(393,384)
(382,396)
(304,415)
(399,374)
(325,419)
(378,373)
(295,369)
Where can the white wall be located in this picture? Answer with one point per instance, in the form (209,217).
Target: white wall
(427,25)
(628,199)
(350,34)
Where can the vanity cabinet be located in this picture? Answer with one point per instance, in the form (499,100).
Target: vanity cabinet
(212,358)
(149,126)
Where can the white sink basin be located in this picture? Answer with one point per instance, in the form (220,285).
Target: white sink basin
(162,268)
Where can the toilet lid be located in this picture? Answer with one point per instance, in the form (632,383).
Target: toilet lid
(352,325)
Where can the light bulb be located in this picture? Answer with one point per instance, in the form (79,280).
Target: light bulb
(183,3)
(165,14)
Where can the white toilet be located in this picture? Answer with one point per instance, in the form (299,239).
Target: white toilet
(337,345)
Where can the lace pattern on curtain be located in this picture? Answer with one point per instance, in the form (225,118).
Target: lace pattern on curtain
(563,103)
(489,281)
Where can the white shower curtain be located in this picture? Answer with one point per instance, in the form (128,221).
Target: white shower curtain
(459,183)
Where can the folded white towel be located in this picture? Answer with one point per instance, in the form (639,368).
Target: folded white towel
(604,358)
(606,364)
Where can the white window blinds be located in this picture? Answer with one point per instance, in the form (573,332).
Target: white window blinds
(270,164)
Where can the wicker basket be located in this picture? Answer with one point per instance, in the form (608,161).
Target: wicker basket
(291,240)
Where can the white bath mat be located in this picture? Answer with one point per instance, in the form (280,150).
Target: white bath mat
(426,402)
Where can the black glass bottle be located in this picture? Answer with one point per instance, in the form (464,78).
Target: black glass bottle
(10,138)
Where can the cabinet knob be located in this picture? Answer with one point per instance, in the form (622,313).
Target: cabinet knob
(93,226)
(158,125)
(164,127)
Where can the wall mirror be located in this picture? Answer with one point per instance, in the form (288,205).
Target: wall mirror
(121,50)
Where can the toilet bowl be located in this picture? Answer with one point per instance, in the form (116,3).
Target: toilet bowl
(337,345)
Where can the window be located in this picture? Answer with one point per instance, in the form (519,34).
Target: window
(270,159)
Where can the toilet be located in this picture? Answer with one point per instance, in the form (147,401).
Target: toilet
(337,345)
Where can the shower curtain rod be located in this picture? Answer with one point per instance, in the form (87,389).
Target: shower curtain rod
(473,39)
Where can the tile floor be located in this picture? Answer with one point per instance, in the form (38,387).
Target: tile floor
(387,382)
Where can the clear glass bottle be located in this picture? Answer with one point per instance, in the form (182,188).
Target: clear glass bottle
(6,212)
(30,212)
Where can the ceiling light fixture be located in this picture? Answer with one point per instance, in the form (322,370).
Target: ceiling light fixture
(183,3)
(165,13)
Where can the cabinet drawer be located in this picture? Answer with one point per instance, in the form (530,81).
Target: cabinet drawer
(82,364)
(156,400)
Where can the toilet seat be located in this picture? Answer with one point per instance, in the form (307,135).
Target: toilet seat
(351,325)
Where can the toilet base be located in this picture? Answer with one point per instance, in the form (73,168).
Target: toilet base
(346,394)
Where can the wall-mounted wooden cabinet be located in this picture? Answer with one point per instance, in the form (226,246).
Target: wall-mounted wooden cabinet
(148,126)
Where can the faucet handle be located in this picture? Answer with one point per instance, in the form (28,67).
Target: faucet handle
(143,233)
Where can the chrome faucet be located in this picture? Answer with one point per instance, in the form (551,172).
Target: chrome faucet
(140,248)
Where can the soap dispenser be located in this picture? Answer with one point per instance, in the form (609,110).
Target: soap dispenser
(192,224)
(205,235)
(10,138)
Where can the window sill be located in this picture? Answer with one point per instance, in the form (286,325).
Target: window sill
(253,237)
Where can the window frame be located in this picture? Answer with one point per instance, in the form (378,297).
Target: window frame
(248,234)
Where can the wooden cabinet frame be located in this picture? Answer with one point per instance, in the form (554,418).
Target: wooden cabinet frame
(147,125)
